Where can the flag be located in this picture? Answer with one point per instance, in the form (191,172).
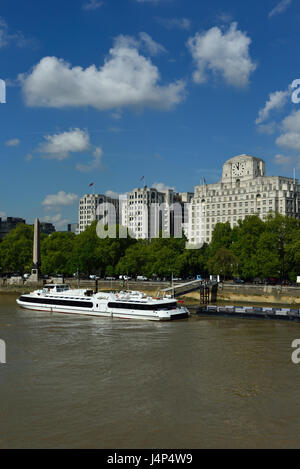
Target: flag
(204,181)
(91,184)
(143,177)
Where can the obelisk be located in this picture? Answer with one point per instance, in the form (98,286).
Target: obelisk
(36,252)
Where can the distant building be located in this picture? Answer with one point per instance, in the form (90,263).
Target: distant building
(148,212)
(9,224)
(47,228)
(73,228)
(243,190)
(96,207)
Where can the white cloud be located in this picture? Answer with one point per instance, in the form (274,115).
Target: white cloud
(112,194)
(28,157)
(287,162)
(283,160)
(116,195)
(7,37)
(153,48)
(59,146)
(57,220)
(268,129)
(94,164)
(290,136)
(276,101)
(175,23)
(222,52)
(14,142)
(224,17)
(280,7)
(60,199)
(92,5)
(127,79)
(160,186)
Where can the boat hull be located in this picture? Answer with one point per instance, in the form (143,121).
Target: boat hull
(109,314)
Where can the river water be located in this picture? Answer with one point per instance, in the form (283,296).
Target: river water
(75,382)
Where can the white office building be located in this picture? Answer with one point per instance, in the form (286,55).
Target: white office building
(148,212)
(96,207)
(243,190)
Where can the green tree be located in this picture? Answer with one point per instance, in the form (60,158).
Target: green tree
(56,253)
(224,263)
(16,249)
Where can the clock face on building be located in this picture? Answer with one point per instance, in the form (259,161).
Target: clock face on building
(238,169)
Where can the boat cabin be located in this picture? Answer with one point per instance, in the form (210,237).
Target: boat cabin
(56,287)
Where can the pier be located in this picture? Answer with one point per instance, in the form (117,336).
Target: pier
(207,290)
(254,312)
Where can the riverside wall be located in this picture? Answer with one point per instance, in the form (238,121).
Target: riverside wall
(227,292)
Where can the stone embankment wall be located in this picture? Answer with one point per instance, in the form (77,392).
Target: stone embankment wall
(249,293)
(227,292)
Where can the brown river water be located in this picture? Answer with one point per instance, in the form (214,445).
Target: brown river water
(75,382)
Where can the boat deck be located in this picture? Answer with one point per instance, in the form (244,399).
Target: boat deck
(288,314)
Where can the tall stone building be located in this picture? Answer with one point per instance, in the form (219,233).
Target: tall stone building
(243,190)
(10,223)
(148,212)
(95,207)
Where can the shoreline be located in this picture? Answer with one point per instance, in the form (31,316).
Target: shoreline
(228,294)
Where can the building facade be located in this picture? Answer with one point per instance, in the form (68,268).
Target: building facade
(243,190)
(96,207)
(47,228)
(72,228)
(9,224)
(147,213)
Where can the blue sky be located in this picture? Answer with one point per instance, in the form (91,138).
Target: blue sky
(110,91)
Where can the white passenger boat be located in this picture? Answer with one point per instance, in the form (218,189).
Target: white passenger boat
(60,298)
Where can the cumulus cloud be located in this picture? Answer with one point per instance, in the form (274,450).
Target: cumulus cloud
(175,23)
(14,142)
(160,186)
(280,7)
(152,47)
(62,198)
(290,136)
(222,52)
(59,146)
(268,129)
(92,5)
(126,79)
(57,220)
(283,160)
(276,101)
(288,162)
(8,37)
(94,164)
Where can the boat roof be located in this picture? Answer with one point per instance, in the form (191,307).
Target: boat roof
(47,285)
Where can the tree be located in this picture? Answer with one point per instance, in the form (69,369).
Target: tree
(224,263)
(16,249)
(56,253)
(221,238)
(244,246)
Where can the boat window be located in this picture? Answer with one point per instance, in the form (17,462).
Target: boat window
(145,306)
(57,301)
